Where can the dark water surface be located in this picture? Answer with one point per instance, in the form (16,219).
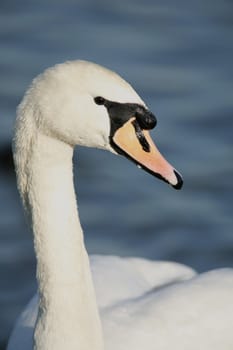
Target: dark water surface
(179,57)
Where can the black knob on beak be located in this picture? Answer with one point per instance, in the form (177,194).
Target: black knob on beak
(145,119)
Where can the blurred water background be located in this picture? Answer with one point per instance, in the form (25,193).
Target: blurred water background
(178,55)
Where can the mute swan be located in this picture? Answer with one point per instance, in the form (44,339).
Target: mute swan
(141,304)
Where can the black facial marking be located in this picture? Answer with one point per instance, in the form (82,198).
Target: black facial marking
(120,113)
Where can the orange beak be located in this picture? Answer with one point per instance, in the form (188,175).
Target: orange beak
(137,145)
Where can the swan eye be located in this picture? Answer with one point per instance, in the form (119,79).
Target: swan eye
(99,100)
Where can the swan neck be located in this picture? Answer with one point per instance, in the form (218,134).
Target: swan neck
(68,316)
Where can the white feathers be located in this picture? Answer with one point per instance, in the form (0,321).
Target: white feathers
(142,304)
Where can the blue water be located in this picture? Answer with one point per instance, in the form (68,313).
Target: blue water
(178,55)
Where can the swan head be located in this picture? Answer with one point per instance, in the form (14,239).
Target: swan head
(82,103)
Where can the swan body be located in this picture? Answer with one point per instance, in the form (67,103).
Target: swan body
(141,304)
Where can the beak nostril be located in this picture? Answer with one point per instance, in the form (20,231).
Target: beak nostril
(140,136)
